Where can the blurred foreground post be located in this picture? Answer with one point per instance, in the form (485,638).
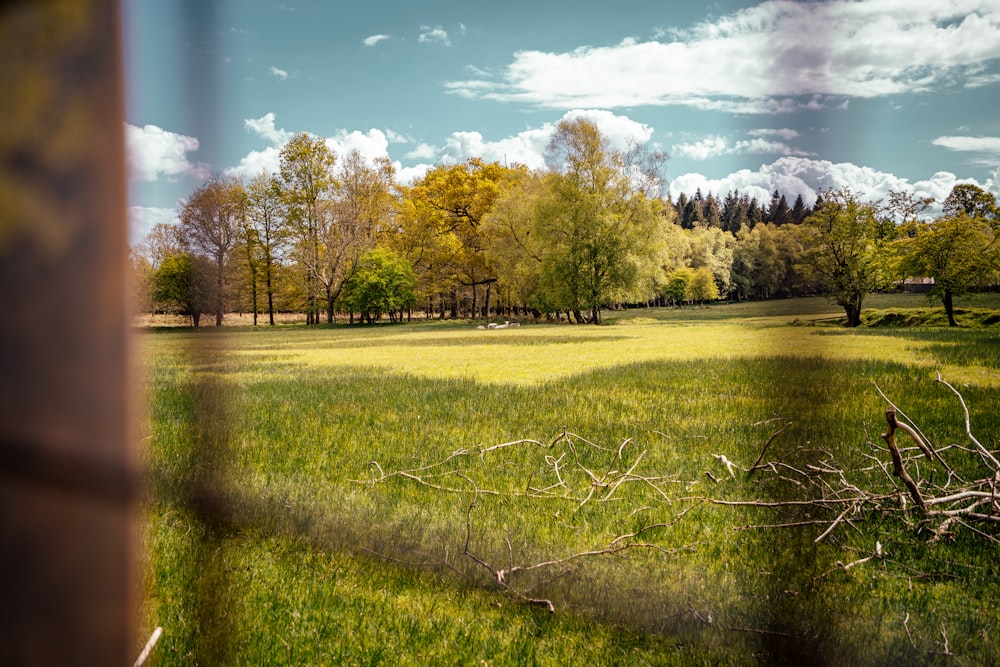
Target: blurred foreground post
(68,484)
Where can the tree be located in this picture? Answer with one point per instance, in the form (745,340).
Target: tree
(266,230)
(843,243)
(348,224)
(597,232)
(210,223)
(512,249)
(183,284)
(958,251)
(675,291)
(974,202)
(383,283)
(702,286)
(307,183)
(454,200)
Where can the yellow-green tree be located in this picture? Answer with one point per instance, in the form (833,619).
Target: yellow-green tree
(596,230)
(958,251)
(307,183)
(844,254)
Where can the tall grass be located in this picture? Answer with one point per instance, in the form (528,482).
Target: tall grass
(324,565)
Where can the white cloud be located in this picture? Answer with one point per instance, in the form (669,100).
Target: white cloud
(141,219)
(793,176)
(280,73)
(154,152)
(407,175)
(371,144)
(986,148)
(422,152)
(254,162)
(528,147)
(710,147)
(397,138)
(703,149)
(372,40)
(436,35)
(784,133)
(264,128)
(767,59)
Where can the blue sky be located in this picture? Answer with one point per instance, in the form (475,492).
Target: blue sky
(798,96)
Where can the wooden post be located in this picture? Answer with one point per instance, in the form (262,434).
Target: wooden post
(68,481)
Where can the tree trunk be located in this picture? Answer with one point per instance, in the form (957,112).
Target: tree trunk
(949,307)
(270,298)
(486,305)
(853,311)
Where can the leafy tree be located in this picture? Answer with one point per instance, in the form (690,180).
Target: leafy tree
(759,263)
(974,202)
(701,287)
(210,223)
(383,283)
(597,232)
(511,248)
(162,240)
(349,223)
(958,251)
(675,290)
(712,248)
(307,183)
(844,255)
(183,284)
(265,231)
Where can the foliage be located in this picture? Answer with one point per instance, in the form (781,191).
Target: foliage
(183,284)
(843,250)
(383,282)
(959,252)
(307,181)
(210,227)
(597,235)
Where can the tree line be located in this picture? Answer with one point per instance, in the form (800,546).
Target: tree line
(336,235)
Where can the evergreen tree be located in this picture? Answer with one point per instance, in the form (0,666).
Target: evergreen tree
(799,210)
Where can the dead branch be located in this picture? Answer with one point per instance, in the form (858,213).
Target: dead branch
(968,429)
(756,464)
(897,462)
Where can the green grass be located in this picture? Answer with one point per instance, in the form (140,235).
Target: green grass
(322,565)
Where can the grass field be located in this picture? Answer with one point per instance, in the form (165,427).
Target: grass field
(326,554)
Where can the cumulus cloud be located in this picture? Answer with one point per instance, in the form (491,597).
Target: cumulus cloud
(422,152)
(280,73)
(702,149)
(436,35)
(154,152)
(371,144)
(774,57)
(528,147)
(372,40)
(793,176)
(715,146)
(264,128)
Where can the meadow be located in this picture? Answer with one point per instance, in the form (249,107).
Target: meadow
(425,493)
